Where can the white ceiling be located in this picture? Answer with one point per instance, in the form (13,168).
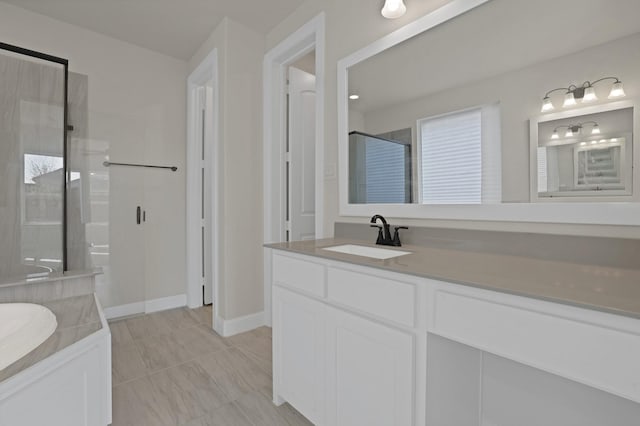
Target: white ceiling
(173,27)
(500,36)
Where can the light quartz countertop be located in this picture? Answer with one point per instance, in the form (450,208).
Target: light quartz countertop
(604,288)
(78,317)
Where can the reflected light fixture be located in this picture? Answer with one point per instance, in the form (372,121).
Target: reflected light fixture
(354,97)
(584,93)
(574,129)
(393,9)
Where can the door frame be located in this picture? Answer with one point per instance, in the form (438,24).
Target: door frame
(311,36)
(205,73)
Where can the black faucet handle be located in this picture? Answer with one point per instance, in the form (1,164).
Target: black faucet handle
(380,236)
(396,235)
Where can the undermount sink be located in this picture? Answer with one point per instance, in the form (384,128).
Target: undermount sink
(372,252)
(23,327)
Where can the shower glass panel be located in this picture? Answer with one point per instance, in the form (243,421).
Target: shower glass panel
(32,162)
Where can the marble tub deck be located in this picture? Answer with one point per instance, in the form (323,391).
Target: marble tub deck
(77,318)
(171,368)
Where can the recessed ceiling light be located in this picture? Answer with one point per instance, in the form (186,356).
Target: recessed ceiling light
(354,97)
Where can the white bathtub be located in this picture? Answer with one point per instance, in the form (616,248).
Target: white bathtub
(23,327)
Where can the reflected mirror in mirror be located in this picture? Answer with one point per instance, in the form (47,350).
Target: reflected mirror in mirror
(464,92)
(585,155)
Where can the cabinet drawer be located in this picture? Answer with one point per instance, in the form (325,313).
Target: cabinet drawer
(299,274)
(383,297)
(602,356)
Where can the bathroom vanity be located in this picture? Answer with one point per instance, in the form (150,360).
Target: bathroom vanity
(66,380)
(442,336)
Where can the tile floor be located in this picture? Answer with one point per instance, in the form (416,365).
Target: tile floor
(171,368)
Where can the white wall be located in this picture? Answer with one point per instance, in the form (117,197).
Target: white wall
(240,54)
(137,105)
(355,24)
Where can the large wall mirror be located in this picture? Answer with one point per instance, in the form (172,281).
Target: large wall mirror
(434,119)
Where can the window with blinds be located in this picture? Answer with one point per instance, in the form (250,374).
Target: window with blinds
(451,158)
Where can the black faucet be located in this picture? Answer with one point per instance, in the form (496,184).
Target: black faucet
(384,234)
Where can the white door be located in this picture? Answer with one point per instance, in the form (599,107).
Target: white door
(204,129)
(370,372)
(301,155)
(298,364)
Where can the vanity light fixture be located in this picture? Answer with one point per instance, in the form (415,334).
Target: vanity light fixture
(585,93)
(617,91)
(573,129)
(393,9)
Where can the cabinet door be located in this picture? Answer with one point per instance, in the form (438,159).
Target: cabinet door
(370,372)
(298,358)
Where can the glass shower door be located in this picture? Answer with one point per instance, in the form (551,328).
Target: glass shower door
(32,162)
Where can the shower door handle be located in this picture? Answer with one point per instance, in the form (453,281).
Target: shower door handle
(138,215)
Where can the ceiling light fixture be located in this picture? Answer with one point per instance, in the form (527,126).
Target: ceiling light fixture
(393,9)
(585,93)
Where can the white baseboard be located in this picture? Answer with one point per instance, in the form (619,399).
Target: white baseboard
(146,307)
(241,324)
(164,303)
(124,310)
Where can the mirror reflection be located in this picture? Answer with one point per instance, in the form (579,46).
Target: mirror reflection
(585,155)
(442,118)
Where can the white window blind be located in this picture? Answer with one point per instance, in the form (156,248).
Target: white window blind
(451,158)
(542,169)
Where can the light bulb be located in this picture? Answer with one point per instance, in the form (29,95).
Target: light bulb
(354,97)
(589,95)
(547,105)
(393,9)
(569,133)
(616,91)
(595,130)
(569,99)
(555,135)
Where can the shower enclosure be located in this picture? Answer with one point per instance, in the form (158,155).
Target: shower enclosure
(33,169)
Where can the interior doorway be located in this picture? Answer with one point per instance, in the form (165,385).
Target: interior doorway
(203,129)
(277,195)
(300,212)
(203,193)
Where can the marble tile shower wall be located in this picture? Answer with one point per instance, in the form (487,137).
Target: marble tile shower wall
(31,143)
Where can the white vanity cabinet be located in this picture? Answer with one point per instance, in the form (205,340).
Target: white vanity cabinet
(298,361)
(345,342)
(370,371)
(356,345)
